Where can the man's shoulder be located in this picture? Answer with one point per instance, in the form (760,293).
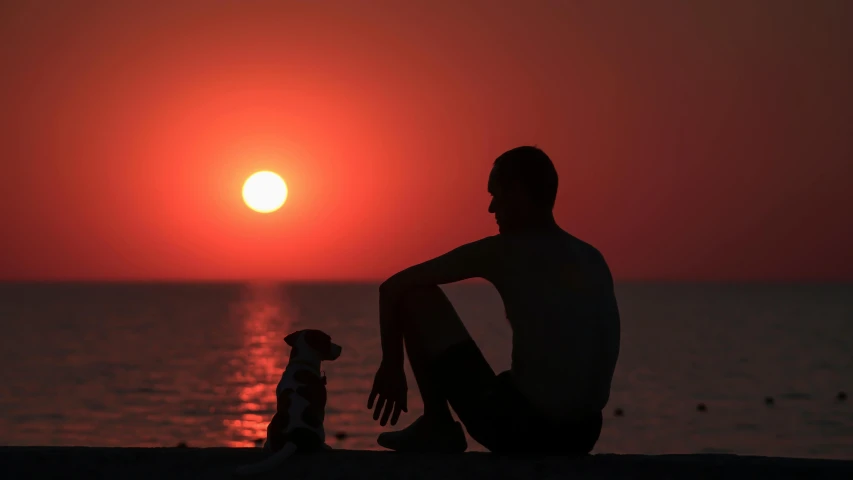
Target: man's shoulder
(593,260)
(585,249)
(489,241)
(483,250)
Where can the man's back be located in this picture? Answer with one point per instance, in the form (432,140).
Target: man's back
(559,300)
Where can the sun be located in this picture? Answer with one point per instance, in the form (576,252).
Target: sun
(264,192)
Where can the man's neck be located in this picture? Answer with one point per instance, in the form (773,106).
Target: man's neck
(537,224)
(547,223)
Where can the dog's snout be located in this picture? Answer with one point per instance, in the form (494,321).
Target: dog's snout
(335,351)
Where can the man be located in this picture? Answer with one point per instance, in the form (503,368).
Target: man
(558,296)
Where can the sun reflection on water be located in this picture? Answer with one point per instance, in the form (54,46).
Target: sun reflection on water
(264,315)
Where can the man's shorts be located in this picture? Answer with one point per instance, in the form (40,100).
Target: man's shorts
(498,416)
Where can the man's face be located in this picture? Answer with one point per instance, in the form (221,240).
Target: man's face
(507,203)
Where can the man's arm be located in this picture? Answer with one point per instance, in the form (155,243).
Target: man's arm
(473,260)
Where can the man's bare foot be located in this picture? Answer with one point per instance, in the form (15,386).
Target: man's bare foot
(426,435)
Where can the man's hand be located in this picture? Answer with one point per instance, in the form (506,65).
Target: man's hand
(390,385)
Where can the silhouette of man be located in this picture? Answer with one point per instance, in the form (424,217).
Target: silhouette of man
(558,296)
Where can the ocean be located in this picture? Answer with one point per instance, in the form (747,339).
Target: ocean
(151,364)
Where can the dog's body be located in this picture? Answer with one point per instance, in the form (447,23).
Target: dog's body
(300,401)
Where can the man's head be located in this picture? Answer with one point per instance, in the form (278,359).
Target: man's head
(523,184)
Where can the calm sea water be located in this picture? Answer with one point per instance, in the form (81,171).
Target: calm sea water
(155,365)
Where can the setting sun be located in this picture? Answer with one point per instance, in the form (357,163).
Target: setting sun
(264,192)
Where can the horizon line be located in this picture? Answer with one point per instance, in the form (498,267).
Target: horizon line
(370,281)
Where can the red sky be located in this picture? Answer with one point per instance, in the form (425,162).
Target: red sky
(694,140)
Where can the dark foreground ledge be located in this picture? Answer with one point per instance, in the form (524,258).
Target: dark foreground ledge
(216,463)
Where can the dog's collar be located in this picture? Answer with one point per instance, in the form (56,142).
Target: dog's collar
(314,368)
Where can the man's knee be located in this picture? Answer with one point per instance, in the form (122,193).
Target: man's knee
(424,306)
(428,316)
(417,299)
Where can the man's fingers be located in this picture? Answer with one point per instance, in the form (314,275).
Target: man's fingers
(371,398)
(388,408)
(396,416)
(379,405)
(404,403)
(377,411)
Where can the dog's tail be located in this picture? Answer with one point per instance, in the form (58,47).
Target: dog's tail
(270,463)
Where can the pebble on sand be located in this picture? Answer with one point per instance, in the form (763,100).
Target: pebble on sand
(701,408)
(618,412)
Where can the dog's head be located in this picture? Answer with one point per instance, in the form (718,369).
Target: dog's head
(314,343)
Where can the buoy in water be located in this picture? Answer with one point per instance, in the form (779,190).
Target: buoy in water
(769,401)
(701,408)
(618,413)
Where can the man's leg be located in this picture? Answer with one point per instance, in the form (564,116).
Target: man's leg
(434,336)
(434,400)
(430,327)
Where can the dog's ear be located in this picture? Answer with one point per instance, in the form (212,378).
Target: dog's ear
(291,339)
(319,341)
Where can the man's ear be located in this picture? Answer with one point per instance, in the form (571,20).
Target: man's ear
(291,339)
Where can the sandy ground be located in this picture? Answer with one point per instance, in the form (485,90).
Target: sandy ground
(215,463)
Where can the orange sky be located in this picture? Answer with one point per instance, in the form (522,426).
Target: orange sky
(693,141)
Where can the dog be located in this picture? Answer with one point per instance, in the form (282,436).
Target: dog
(297,425)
